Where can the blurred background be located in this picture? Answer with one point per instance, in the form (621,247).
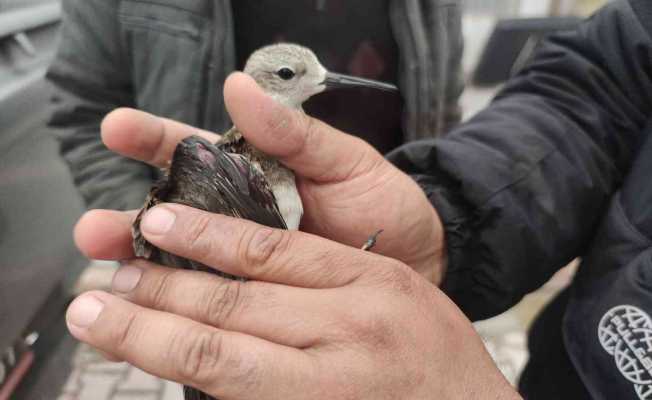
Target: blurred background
(41,269)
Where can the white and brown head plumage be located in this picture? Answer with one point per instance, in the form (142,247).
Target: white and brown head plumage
(292,74)
(289,73)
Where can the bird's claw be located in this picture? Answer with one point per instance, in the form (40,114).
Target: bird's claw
(371,242)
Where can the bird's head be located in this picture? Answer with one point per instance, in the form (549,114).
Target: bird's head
(291,74)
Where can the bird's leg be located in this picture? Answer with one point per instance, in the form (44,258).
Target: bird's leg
(371,242)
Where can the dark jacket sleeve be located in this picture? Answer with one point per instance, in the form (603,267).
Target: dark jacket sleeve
(522,186)
(91,77)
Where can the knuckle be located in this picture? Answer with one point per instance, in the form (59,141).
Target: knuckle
(245,370)
(222,302)
(197,356)
(197,237)
(161,290)
(264,244)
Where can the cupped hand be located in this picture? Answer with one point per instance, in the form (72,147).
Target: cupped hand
(348,189)
(318,320)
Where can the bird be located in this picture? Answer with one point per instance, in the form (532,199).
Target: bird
(232,177)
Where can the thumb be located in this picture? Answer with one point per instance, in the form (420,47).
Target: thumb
(304,144)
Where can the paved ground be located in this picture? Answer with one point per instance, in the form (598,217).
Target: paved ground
(96,379)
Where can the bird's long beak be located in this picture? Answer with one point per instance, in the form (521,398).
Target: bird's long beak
(339,81)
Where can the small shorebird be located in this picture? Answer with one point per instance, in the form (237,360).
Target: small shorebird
(233,178)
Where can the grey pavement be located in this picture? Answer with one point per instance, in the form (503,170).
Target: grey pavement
(94,378)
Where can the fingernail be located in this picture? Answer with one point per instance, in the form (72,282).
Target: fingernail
(84,311)
(126,279)
(158,221)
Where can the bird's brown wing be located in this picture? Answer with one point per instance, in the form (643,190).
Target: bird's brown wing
(142,248)
(206,177)
(244,192)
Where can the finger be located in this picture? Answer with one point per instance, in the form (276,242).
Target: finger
(308,146)
(244,248)
(259,309)
(146,137)
(105,234)
(221,363)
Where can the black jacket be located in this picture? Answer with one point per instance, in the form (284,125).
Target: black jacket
(559,167)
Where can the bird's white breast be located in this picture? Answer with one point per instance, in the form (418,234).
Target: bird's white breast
(289,202)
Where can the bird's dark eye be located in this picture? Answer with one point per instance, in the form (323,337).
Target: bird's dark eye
(285,73)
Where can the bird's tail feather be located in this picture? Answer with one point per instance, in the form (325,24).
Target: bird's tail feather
(194,394)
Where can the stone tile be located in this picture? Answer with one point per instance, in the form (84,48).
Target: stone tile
(136,379)
(90,361)
(85,355)
(107,368)
(97,387)
(137,395)
(172,391)
(94,378)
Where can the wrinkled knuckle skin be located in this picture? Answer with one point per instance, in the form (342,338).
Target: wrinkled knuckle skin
(263,246)
(197,238)
(222,303)
(197,357)
(244,370)
(160,293)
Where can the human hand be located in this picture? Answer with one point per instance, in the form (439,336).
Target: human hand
(318,320)
(348,189)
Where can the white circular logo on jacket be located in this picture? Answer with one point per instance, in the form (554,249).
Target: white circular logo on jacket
(625,332)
